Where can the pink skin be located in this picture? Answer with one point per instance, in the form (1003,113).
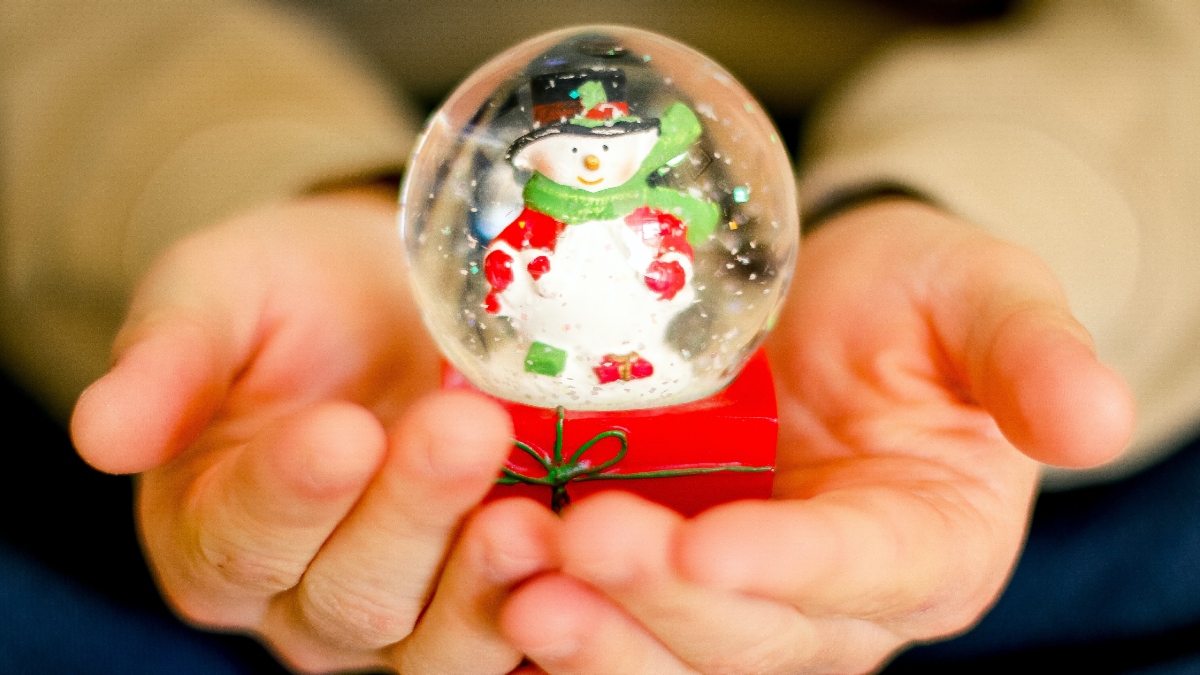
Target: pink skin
(921,368)
(304,481)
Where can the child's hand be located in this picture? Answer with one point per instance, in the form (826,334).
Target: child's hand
(921,367)
(303,478)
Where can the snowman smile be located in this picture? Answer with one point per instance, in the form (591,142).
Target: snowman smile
(589,182)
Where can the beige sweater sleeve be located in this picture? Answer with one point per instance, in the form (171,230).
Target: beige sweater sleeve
(126,124)
(1073,130)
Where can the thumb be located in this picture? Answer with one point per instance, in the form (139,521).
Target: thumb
(162,391)
(191,326)
(211,306)
(1028,361)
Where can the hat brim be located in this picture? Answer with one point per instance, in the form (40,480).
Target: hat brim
(618,128)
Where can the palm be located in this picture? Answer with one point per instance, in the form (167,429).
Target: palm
(303,479)
(877,420)
(321,314)
(919,364)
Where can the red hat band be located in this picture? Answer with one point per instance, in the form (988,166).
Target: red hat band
(562,111)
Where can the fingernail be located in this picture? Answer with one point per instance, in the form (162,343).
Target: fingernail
(460,439)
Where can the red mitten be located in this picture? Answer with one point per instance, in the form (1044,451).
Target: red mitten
(538,266)
(497,268)
(665,278)
(660,230)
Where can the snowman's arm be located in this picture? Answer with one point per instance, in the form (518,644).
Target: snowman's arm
(503,259)
(700,215)
(531,229)
(671,269)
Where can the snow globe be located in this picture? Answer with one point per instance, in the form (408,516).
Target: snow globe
(601,225)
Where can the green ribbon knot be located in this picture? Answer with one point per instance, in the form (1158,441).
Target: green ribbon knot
(560,473)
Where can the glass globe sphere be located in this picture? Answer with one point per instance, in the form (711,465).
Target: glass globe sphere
(600,218)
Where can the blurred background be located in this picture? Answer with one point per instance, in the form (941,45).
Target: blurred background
(786,53)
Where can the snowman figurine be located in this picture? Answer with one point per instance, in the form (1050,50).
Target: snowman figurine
(599,262)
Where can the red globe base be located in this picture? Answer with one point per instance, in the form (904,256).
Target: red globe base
(689,457)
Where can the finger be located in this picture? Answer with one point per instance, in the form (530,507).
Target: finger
(1000,311)
(369,583)
(154,402)
(188,333)
(622,546)
(1048,393)
(505,543)
(566,628)
(280,299)
(906,557)
(255,520)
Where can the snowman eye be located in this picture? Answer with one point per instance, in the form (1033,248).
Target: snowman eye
(605,148)
(574,149)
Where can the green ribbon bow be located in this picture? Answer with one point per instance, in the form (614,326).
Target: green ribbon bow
(560,473)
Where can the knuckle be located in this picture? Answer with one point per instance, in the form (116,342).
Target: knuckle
(353,618)
(244,568)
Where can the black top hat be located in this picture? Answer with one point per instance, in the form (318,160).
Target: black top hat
(583,102)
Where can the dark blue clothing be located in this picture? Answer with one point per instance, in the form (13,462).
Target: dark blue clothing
(75,595)
(49,624)
(1109,582)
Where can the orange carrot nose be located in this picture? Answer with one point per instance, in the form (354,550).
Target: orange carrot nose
(591,162)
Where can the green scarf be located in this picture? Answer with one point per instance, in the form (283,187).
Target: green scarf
(678,127)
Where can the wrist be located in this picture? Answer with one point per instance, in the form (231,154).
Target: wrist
(837,203)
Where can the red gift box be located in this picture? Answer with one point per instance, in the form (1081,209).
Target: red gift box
(689,457)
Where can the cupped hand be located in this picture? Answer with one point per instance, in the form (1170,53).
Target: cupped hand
(923,369)
(303,479)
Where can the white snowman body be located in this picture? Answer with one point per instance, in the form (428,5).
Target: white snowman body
(592,300)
